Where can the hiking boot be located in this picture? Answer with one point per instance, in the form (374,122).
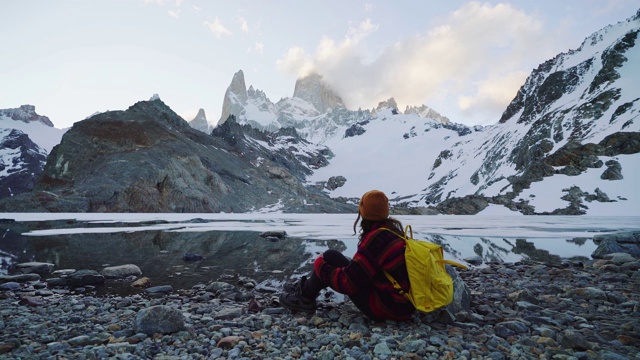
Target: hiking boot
(292,287)
(296,301)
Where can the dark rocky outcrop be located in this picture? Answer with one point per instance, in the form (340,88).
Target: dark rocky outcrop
(148,159)
(468,205)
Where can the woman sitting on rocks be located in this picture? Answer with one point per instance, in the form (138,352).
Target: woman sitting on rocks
(362,278)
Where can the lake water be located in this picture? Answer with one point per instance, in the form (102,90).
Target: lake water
(231,245)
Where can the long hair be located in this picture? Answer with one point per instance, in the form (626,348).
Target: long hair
(390,223)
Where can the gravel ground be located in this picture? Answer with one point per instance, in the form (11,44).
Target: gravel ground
(526,310)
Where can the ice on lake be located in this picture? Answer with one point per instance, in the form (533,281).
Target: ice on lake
(230,243)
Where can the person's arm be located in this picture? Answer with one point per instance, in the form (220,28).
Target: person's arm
(348,280)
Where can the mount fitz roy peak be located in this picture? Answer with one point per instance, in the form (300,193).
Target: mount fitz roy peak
(315,110)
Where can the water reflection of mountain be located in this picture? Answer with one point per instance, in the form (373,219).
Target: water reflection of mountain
(528,248)
(509,250)
(158,249)
(159,254)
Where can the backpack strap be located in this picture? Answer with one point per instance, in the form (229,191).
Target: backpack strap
(393,281)
(452,263)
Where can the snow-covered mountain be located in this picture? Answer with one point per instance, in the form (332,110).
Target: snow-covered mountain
(567,144)
(38,127)
(315,110)
(26,139)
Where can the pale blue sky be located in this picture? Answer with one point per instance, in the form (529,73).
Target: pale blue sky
(465,59)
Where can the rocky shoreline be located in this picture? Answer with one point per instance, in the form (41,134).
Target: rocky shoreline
(576,309)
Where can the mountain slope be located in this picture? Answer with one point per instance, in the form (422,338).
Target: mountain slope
(561,144)
(38,127)
(148,159)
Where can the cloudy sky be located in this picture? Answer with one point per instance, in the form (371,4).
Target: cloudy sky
(465,59)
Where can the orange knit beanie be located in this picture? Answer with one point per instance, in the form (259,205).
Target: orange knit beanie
(374,206)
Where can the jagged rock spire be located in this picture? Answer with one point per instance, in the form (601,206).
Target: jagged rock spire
(200,122)
(426,112)
(235,97)
(313,89)
(391,103)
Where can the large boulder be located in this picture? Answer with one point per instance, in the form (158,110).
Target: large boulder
(121,271)
(159,319)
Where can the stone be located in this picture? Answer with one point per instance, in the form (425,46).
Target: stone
(63,272)
(619,258)
(228,342)
(228,313)
(142,282)
(610,246)
(121,271)
(461,292)
(413,346)
(509,328)
(588,293)
(381,349)
(83,278)
(163,289)
(159,319)
(10,286)
(40,268)
(628,237)
(575,340)
(19,278)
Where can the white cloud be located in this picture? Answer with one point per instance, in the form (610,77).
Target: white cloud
(217,28)
(477,58)
(492,93)
(174,13)
(244,25)
(259,48)
(296,61)
(329,56)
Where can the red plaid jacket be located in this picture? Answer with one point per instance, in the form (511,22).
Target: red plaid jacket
(378,250)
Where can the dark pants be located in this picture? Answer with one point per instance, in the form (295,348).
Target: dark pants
(314,284)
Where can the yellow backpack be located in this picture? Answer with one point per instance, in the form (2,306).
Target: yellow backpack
(430,286)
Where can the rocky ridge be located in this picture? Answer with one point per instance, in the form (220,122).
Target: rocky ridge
(148,159)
